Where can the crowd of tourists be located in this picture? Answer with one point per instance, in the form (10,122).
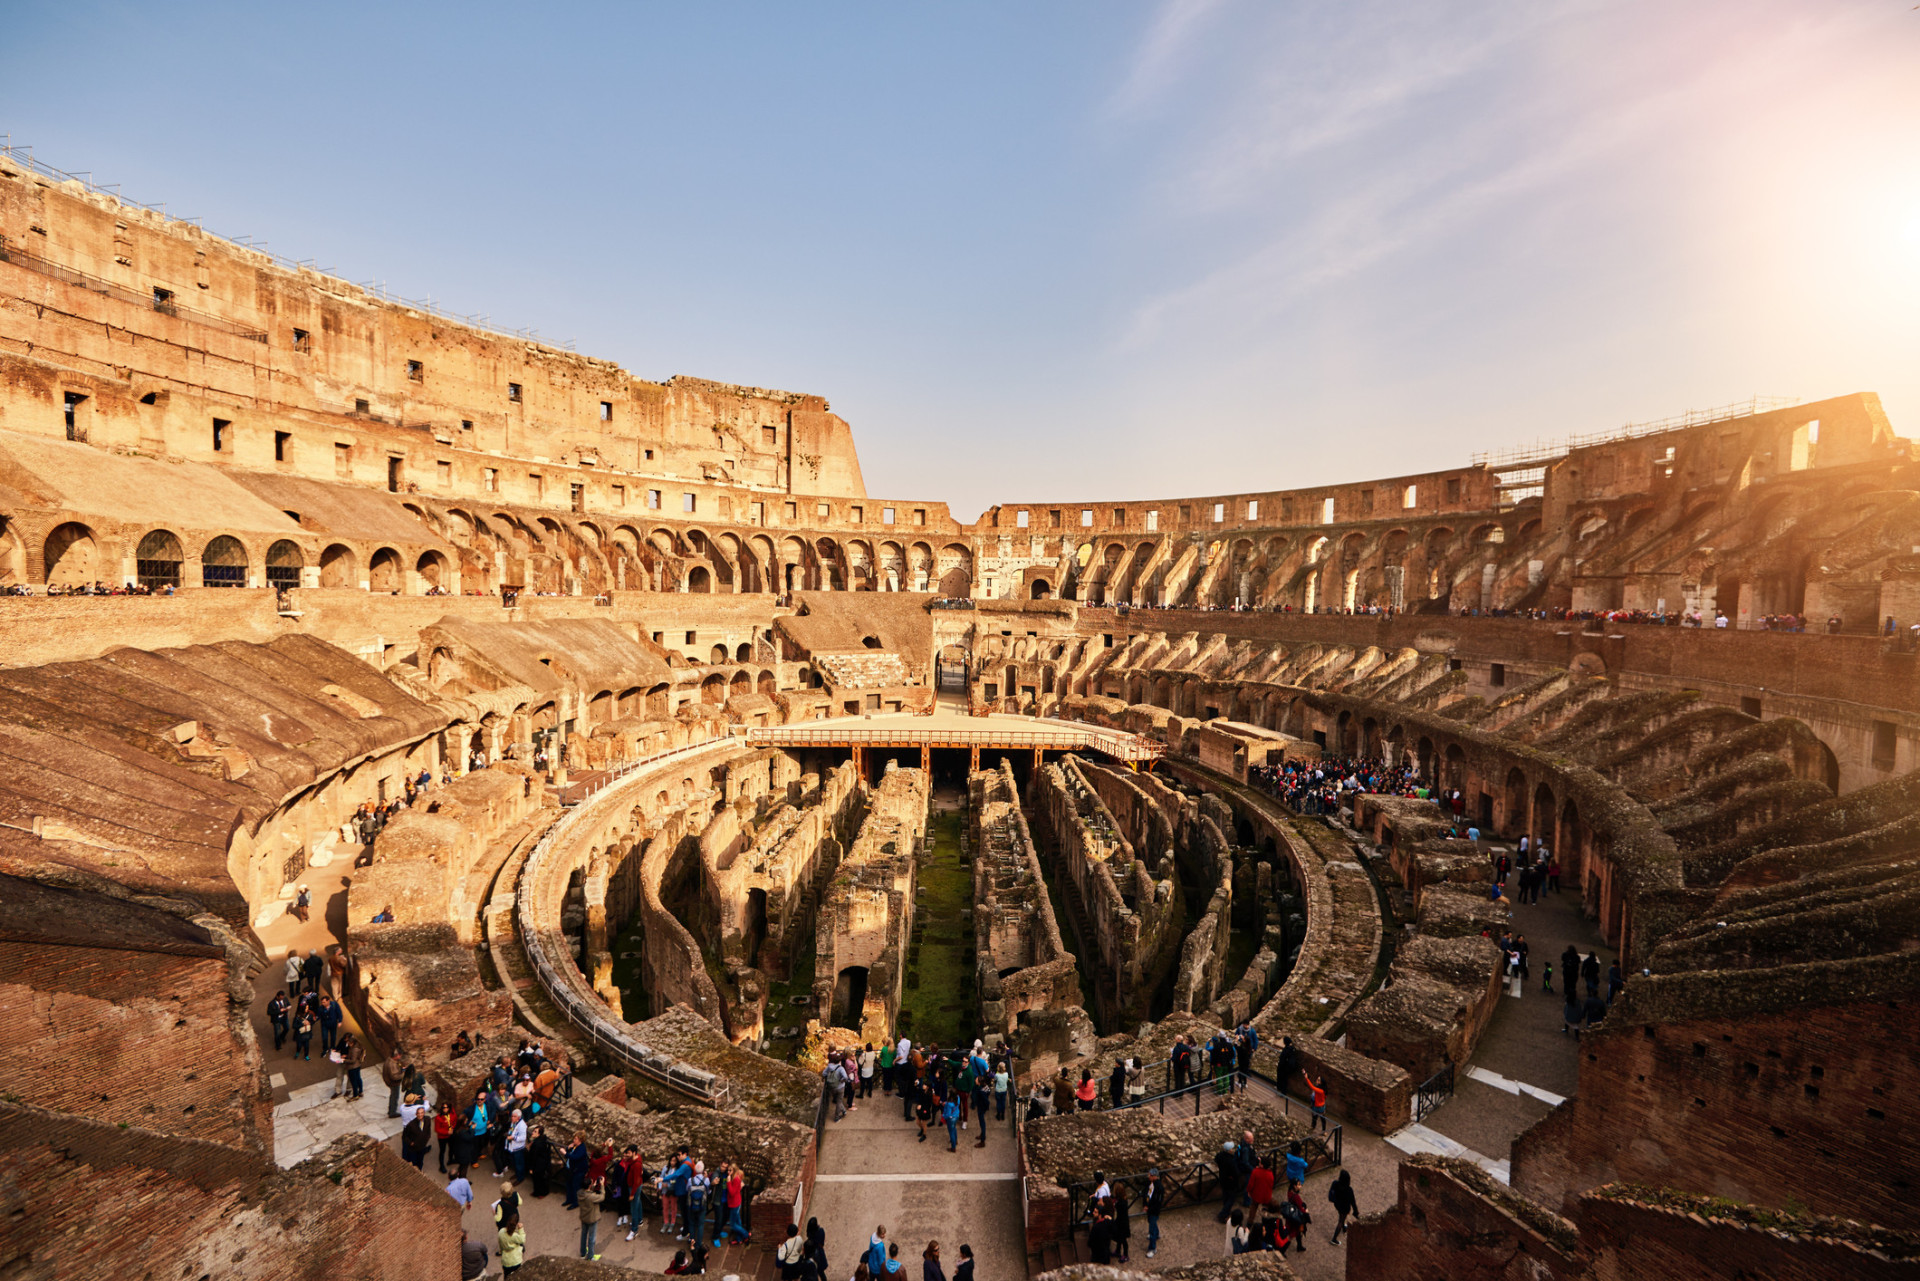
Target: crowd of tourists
(90,589)
(1327,785)
(941,1088)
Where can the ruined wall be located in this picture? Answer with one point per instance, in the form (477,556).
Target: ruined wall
(1029,981)
(1763,1087)
(82,1196)
(865,918)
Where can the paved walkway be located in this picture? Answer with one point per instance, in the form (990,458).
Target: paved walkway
(874,1170)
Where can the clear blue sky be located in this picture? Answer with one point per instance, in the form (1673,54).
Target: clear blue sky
(1094,249)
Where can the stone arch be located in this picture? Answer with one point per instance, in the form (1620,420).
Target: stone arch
(1540,821)
(383,571)
(224,563)
(72,557)
(719,654)
(339,567)
(1040,589)
(157,559)
(13,554)
(767,684)
(285,560)
(434,570)
(700,580)
(1515,798)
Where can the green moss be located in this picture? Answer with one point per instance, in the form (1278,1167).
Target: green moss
(942,1006)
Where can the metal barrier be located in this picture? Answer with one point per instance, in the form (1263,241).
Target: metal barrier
(1195,1184)
(1433,1091)
(165,305)
(588,1014)
(1070,735)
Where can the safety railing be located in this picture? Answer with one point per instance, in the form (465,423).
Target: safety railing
(165,305)
(1194,1184)
(588,1015)
(1070,734)
(1433,1091)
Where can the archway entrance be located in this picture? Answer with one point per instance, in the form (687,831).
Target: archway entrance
(849,996)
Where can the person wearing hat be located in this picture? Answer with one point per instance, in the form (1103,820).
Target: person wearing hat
(1153,1200)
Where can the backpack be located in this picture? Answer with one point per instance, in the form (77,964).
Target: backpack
(697,1193)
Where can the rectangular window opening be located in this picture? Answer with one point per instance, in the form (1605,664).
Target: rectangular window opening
(1410,497)
(1086,518)
(1497,674)
(362,407)
(491,480)
(689,502)
(1253,509)
(220,437)
(74,400)
(443,472)
(1219,512)
(393,475)
(416,372)
(606,411)
(342,459)
(283,447)
(1021,519)
(577,497)
(466,424)
(886,515)
(1886,742)
(619,495)
(513,392)
(1453,489)
(653,499)
(770,436)
(1153,521)
(1326,511)
(302,340)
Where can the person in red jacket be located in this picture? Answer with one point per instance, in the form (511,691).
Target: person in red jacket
(1260,1186)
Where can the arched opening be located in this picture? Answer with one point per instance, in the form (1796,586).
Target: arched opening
(339,567)
(743,653)
(1040,590)
(284,562)
(767,684)
(1540,826)
(700,579)
(1515,819)
(432,567)
(870,642)
(713,690)
(72,559)
(849,996)
(719,654)
(756,931)
(383,571)
(740,686)
(157,560)
(223,563)
(1456,767)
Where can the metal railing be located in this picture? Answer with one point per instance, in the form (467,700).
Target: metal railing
(1117,743)
(1544,451)
(1198,1183)
(166,306)
(1432,1092)
(589,1016)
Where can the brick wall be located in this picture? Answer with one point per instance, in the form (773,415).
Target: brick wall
(143,1038)
(85,1200)
(1766,1099)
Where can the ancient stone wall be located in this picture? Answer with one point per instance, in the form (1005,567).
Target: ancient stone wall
(1765,1087)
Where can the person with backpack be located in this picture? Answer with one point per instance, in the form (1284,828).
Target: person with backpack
(591,1198)
(1341,1197)
(698,1185)
(1294,1211)
(791,1257)
(834,1082)
(303,1034)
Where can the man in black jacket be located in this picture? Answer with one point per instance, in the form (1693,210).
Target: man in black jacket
(1289,1063)
(1153,1201)
(1228,1164)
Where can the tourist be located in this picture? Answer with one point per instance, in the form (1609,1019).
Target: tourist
(886,1068)
(681,1265)
(1317,1099)
(1616,981)
(877,1250)
(791,1257)
(1238,1237)
(1546,978)
(1228,1166)
(1296,1163)
(817,1248)
(460,1188)
(1571,1014)
(1289,1063)
(513,1245)
(950,1113)
(1590,973)
(834,1081)
(1594,1010)
(1117,1084)
(930,1269)
(1063,1093)
(868,1061)
(303,1034)
(473,1258)
(312,968)
(922,1111)
(1182,1056)
(517,1143)
(1087,1091)
(508,1206)
(1341,1196)
(353,1058)
(279,1014)
(577,1160)
(699,1186)
(963,1271)
(292,977)
(1100,1236)
(1122,1229)
(1153,1201)
(415,1138)
(736,1185)
(1298,1218)
(590,1198)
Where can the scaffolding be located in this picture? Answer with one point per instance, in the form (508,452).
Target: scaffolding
(1536,457)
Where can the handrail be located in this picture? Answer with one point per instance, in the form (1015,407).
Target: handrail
(605,1033)
(1119,743)
(1200,1181)
(95,284)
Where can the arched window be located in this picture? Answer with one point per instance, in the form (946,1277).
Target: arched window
(157,560)
(223,563)
(284,562)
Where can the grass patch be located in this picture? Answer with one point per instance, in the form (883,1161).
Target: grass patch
(939,1004)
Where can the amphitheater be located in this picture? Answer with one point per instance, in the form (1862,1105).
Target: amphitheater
(731,765)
